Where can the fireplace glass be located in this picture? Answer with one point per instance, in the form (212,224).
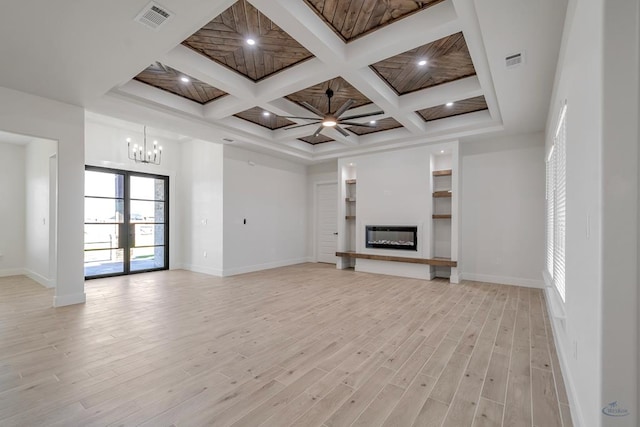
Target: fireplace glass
(392,237)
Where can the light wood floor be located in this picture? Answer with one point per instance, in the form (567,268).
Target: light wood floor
(306,345)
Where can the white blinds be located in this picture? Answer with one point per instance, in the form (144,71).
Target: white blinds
(550,211)
(560,184)
(556,205)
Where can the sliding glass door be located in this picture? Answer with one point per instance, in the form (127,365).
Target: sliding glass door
(126,222)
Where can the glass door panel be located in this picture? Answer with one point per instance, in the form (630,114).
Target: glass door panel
(147,231)
(103,223)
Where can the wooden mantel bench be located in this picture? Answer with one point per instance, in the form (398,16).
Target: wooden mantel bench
(440,262)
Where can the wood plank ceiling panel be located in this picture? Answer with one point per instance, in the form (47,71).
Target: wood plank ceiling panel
(464,106)
(224,40)
(351,19)
(342,91)
(271,121)
(447,59)
(314,140)
(381,125)
(169,79)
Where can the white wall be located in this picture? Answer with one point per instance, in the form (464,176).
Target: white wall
(318,173)
(271,196)
(31,115)
(106,147)
(201,199)
(12,208)
(503,200)
(597,328)
(37,223)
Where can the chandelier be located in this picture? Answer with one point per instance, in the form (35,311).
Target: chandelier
(140,153)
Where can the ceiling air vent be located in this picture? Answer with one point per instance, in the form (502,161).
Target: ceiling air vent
(514,60)
(153,16)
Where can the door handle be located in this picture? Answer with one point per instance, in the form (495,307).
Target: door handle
(335,234)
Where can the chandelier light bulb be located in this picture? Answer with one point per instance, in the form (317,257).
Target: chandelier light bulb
(140,154)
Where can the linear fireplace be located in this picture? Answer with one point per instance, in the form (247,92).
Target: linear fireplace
(392,237)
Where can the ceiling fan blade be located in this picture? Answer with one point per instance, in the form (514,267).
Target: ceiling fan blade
(299,126)
(296,117)
(363,125)
(344,107)
(357,116)
(311,108)
(342,131)
(318,131)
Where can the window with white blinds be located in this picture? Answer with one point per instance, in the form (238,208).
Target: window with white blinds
(550,212)
(556,205)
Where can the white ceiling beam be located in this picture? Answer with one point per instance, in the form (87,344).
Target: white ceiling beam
(210,72)
(473,36)
(434,23)
(457,90)
(300,22)
(163,98)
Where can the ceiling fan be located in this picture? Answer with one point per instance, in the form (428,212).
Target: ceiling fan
(328,120)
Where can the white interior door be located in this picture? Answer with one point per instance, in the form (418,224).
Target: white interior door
(326,222)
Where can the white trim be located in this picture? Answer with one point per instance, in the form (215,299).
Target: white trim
(47,283)
(574,403)
(503,280)
(455,275)
(12,272)
(64,300)
(553,146)
(563,112)
(556,305)
(260,267)
(202,269)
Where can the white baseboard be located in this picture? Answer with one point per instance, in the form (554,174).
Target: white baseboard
(265,266)
(64,300)
(202,269)
(47,283)
(503,280)
(11,272)
(557,325)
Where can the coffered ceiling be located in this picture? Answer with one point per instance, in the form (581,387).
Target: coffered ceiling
(249,72)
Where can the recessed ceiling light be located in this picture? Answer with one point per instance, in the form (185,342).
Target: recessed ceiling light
(422,62)
(251,42)
(441,151)
(449,104)
(373,122)
(351,164)
(185,79)
(266,113)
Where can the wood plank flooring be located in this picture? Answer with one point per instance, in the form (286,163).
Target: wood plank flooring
(306,345)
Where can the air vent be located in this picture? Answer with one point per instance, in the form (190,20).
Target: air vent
(514,60)
(227,139)
(153,16)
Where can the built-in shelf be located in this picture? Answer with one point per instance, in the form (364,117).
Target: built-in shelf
(444,172)
(350,217)
(441,216)
(442,193)
(441,262)
(350,181)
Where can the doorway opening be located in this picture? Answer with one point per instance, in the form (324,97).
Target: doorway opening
(126,228)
